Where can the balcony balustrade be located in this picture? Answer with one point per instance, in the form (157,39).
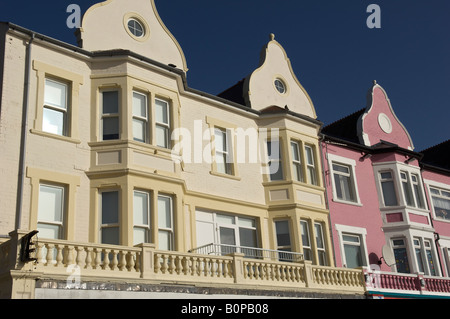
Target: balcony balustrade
(218,265)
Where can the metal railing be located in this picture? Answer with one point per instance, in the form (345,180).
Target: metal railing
(249,252)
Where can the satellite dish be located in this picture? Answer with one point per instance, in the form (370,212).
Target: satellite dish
(388,256)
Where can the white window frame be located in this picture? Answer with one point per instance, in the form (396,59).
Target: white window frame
(440,187)
(297,163)
(308,255)
(311,169)
(321,251)
(141,119)
(224,152)
(350,164)
(355,231)
(58,108)
(283,247)
(164,126)
(109,115)
(145,227)
(59,224)
(278,160)
(394,183)
(169,230)
(100,215)
(408,236)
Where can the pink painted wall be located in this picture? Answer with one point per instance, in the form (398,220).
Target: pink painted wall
(371,127)
(441,227)
(367,216)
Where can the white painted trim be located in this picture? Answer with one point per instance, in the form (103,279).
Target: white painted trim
(352,164)
(362,232)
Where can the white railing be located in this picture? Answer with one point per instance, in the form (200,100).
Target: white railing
(249,252)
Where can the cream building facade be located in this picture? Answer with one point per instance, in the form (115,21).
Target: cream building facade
(132,176)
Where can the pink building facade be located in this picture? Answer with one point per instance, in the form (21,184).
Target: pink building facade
(389,204)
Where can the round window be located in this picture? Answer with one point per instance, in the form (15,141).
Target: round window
(280,86)
(136,28)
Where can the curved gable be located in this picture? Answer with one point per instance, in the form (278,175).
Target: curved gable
(261,87)
(379,122)
(105,27)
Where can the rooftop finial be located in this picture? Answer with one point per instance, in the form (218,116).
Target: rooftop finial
(272,37)
(374,82)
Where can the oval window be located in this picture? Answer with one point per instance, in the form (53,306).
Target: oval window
(136,28)
(280,86)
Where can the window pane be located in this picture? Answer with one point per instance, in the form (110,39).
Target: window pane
(161,112)
(274,154)
(353,256)
(49,231)
(165,240)
(390,198)
(227,236)
(141,208)
(349,238)
(220,139)
(139,105)
(431,263)
(282,230)
(164,212)
(319,236)
(386,175)
(305,233)
(401,260)
(225,219)
(140,235)
(246,222)
(419,259)
(162,136)
(55,94)
(139,130)
(50,206)
(441,207)
(309,155)
(111,102)
(110,207)
(110,235)
(340,168)
(53,121)
(110,128)
(295,152)
(247,237)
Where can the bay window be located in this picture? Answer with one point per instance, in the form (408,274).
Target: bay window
(320,244)
(311,165)
(297,171)
(109,217)
(306,240)
(388,189)
(275,163)
(141,217)
(283,238)
(165,223)
(162,123)
(110,119)
(401,255)
(140,117)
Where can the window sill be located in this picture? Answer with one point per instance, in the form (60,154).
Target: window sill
(58,137)
(236,178)
(341,201)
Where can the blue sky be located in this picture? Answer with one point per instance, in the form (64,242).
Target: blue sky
(334,54)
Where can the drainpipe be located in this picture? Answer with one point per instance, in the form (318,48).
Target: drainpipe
(327,205)
(23,140)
